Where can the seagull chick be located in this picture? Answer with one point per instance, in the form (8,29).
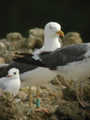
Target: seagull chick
(11,83)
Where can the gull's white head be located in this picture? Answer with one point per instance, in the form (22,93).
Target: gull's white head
(13,72)
(53,29)
(52,33)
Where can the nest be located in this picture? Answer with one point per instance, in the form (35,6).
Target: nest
(53,106)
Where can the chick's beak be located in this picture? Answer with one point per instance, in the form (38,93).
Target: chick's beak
(60,33)
(9,75)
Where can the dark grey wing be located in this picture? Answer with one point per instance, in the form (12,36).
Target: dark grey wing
(3,71)
(23,67)
(23,58)
(24,62)
(65,55)
(61,56)
(28,59)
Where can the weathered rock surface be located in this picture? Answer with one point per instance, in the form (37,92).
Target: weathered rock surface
(72,38)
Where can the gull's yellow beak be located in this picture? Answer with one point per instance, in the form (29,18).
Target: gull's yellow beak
(60,33)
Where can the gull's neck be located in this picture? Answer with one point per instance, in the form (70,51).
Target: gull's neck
(51,44)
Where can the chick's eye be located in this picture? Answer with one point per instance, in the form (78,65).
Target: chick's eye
(14,73)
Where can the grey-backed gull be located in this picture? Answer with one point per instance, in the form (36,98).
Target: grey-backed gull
(11,83)
(33,73)
(52,33)
(52,41)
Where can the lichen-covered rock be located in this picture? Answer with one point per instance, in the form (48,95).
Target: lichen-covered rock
(2,60)
(8,56)
(39,32)
(14,36)
(72,38)
(3,47)
(35,39)
(16,41)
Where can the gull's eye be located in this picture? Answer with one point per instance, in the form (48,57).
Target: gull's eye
(14,73)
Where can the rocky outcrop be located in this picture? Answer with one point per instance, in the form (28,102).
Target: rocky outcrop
(72,38)
(35,38)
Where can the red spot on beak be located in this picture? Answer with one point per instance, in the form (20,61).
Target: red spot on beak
(9,75)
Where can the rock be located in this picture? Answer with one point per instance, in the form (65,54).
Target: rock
(13,36)
(3,47)
(8,56)
(5,55)
(6,45)
(72,38)
(2,60)
(16,41)
(35,39)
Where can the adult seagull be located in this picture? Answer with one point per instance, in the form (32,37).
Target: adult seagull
(71,62)
(32,73)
